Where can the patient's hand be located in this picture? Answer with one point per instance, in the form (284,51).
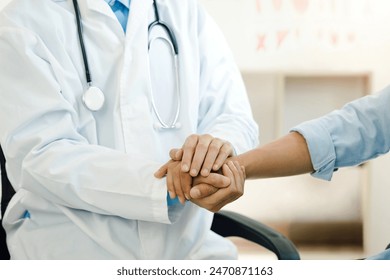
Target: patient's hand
(213,198)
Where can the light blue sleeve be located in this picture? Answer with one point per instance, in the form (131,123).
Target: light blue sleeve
(354,134)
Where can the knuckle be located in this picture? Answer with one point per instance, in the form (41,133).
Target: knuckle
(193,137)
(224,152)
(202,146)
(218,142)
(227,146)
(190,142)
(214,148)
(188,149)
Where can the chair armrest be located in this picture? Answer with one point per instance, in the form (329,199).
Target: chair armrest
(227,223)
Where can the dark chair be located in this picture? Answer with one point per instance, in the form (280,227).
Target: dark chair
(228,224)
(225,223)
(6,193)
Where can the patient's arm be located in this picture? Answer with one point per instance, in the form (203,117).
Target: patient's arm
(289,155)
(286,156)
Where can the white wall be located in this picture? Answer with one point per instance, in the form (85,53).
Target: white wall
(326,36)
(309,44)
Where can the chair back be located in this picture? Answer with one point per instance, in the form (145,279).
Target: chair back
(7,191)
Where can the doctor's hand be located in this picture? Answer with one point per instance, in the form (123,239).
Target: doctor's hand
(214,198)
(202,154)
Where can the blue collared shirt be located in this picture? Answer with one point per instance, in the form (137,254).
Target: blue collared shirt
(358,132)
(120,11)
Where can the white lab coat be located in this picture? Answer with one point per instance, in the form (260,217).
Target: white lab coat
(87,178)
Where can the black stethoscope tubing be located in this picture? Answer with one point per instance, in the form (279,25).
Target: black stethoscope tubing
(93,97)
(157,22)
(81,40)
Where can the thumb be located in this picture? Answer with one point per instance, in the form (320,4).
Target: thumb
(176,154)
(162,171)
(214,179)
(202,190)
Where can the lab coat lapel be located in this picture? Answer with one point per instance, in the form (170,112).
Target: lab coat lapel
(99,6)
(139,10)
(95,10)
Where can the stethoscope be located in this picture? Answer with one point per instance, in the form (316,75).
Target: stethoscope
(93,98)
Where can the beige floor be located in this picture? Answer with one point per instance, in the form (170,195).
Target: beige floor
(251,251)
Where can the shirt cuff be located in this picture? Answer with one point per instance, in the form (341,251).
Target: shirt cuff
(171,201)
(321,148)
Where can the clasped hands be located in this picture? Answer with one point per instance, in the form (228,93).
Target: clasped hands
(203,171)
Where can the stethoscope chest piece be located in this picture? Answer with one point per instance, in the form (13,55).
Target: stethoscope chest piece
(93,98)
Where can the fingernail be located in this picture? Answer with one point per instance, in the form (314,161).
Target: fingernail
(195,193)
(172,195)
(205,172)
(194,172)
(215,167)
(187,196)
(185,168)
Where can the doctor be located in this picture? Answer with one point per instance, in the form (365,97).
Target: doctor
(89,111)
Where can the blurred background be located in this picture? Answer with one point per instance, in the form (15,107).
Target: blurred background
(301,59)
